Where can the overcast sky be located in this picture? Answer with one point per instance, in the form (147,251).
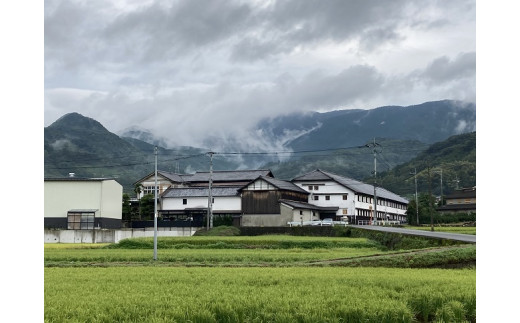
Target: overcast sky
(188,69)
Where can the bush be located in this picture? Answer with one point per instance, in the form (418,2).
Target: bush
(222,230)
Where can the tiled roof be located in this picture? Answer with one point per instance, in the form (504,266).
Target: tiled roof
(463,193)
(354,185)
(230,176)
(201,191)
(308,206)
(283,185)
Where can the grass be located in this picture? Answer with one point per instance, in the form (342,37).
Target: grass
(461,230)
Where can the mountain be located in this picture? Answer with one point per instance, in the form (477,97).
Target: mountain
(454,157)
(81,145)
(428,122)
(78,144)
(355,162)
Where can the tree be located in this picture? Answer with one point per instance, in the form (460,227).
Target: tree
(137,190)
(424,210)
(147,206)
(127,208)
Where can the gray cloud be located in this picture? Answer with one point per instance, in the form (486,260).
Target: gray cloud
(193,69)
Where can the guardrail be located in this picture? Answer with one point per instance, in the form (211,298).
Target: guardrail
(382,223)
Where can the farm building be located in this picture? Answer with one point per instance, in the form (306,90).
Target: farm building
(191,204)
(463,200)
(354,199)
(261,201)
(82,203)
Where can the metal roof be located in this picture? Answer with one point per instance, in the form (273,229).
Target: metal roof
(201,191)
(354,185)
(77,179)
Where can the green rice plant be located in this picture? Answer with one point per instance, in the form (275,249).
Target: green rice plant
(288,294)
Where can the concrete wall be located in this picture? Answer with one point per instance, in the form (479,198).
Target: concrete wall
(266,220)
(111,236)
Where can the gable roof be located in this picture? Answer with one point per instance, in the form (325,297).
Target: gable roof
(278,183)
(352,184)
(173,177)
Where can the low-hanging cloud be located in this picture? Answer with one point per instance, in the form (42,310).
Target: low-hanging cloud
(205,72)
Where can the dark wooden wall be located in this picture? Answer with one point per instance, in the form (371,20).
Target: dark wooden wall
(267,202)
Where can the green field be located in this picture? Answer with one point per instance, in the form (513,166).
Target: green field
(258,279)
(462,230)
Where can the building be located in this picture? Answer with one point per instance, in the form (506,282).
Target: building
(82,203)
(165,180)
(353,199)
(463,200)
(191,204)
(262,199)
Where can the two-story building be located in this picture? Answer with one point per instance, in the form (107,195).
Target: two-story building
(354,199)
(463,200)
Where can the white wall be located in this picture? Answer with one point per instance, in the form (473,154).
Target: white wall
(335,191)
(62,196)
(221,203)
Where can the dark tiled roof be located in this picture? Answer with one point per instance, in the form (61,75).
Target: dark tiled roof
(307,206)
(458,207)
(283,185)
(356,186)
(201,191)
(173,177)
(229,176)
(463,193)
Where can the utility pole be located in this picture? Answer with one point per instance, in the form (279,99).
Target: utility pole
(456,180)
(209,217)
(375,176)
(155,211)
(416,197)
(430,196)
(440,172)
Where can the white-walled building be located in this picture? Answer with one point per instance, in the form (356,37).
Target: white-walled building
(82,203)
(353,198)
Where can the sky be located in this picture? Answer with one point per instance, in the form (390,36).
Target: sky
(190,70)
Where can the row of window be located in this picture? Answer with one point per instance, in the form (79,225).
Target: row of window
(327,197)
(382,202)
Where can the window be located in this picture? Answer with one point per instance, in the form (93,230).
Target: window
(310,187)
(316,187)
(80,220)
(316,197)
(345,211)
(345,197)
(327,197)
(184,201)
(301,212)
(149,190)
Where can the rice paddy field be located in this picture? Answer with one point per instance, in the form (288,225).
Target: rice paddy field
(258,279)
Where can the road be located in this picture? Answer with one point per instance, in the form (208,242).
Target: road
(435,234)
